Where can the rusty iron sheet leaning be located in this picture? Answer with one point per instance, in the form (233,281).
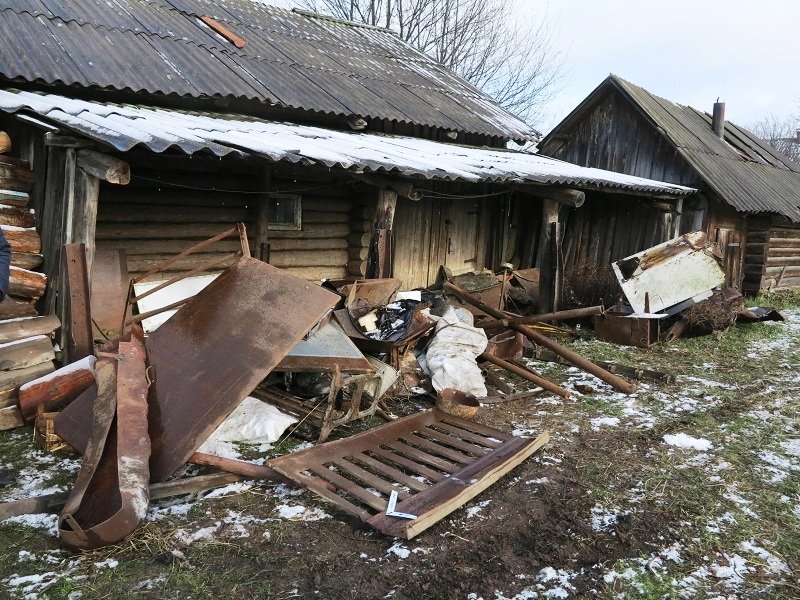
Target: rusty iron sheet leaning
(217,348)
(111,494)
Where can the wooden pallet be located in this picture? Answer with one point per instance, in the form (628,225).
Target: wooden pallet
(435,463)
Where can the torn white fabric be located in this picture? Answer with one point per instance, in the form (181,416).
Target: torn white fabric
(451,354)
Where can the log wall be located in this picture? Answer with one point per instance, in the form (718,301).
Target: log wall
(163,211)
(772,259)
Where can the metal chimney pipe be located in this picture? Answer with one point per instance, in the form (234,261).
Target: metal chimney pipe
(718,119)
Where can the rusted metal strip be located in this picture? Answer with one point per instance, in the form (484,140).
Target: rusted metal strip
(527,374)
(574,358)
(561,315)
(209,264)
(196,248)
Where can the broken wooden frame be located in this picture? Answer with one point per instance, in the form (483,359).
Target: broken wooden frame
(433,461)
(239,230)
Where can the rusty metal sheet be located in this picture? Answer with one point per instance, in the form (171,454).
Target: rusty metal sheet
(109,291)
(111,493)
(432,461)
(642,330)
(217,348)
(507,345)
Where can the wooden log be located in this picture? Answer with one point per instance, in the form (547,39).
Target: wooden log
(11,380)
(13,161)
(324,217)
(193,231)
(277,245)
(16,329)
(358,239)
(10,418)
(326,204)
(14,197)
(9,398)
(104,167)
(24,260)
(26,284)
(26,352)
(317,273)
(165,247)
(56,390)
(358,254)
(357,267)
(13,308)
(22,239)
(17,216)
(173,214)
(308,258)
(14,178)
(142,264)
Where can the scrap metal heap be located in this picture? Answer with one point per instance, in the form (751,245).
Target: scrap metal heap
(204,357)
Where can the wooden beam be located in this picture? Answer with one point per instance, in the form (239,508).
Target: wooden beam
(104,167)
(380,252)
(401,187)
(567,196)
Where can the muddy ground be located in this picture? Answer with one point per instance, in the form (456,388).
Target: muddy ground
(683,490)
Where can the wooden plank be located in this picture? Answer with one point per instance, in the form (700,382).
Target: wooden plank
(439,501)
(11,380)
(449,440)
(25,260)
(27,327)
(26,284)
(315,485)
(436,449)
(396,474)
(80,342)
(408,464)
(349,487)
(27,352)
(476,428)
(104,167)
(370,479)
(467,435)
(10,418)
(56,390)
(422,457)
(14,197)
(17,216)
(22,240)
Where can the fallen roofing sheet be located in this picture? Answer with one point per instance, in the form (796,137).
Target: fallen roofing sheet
(432,461)
(159,129)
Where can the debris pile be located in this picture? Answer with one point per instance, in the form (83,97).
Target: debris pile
(672,289)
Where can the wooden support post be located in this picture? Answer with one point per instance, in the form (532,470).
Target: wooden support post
(547,281)
(80,343)
(84,213)
(380,252)
(261,243)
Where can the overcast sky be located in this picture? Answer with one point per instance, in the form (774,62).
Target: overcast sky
(747,53)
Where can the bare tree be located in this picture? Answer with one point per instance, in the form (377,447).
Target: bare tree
(781,134)
(508,55)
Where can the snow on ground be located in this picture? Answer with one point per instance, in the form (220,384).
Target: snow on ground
(683,440)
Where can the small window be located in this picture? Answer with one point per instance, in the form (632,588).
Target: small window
(285,211)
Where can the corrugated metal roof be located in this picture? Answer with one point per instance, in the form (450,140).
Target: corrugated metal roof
(742,169)
(291,59)
(125,127)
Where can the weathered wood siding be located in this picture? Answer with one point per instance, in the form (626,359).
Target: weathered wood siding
(165,210)
(772,257)
(616,137)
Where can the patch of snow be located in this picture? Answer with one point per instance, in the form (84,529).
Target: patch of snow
(300,513)
(472,511)
(733,573)
(603,518)
(562,578)
(399,551)
(46,521)
(205,533)
(682,440)
(108,563)
(772,563)
(238,487)
(598,422)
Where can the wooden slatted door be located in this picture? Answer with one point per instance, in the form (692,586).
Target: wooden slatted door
(435,463)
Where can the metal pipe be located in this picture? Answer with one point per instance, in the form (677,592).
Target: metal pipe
(561,315)
(526,374)
(575,359)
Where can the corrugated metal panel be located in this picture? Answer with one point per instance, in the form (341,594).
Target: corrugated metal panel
(291,59)
(125,126)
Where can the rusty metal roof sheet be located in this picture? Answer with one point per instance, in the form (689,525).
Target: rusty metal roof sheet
(158,129)
(742,169)
(291,59)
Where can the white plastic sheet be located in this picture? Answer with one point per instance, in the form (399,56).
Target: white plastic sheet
(451,354)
